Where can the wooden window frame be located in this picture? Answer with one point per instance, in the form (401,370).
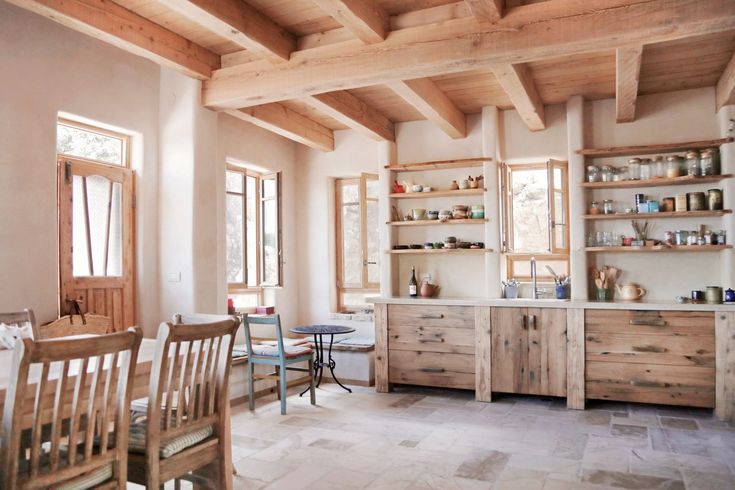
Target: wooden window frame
(124,138)
(243,287)
(364,287)
(556,251)
(276,176)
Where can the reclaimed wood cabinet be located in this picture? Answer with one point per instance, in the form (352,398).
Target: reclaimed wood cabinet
(529,351)
(665,357)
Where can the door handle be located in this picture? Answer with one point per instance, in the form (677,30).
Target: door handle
(524,323)
(533,321)
(432,317)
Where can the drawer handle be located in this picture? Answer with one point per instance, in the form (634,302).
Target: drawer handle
(649,323)
(649,384)
(432,317)
(425,340)
(432,370)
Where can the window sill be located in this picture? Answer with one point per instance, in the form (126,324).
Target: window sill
(355,317)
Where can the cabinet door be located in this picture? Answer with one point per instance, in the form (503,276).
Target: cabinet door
(509,350)
(547,351)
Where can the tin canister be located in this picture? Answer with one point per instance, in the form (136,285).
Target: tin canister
(696,201)
(668,205)
(714,199)
(681,202)
(681,237)
(713,295)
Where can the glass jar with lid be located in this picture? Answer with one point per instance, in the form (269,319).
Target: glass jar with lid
(646,169)
(607,206)
(659,167)
(673,166)
(715,160)
(707,163)
(593,173)
(634,168)
(693,164)
(595,208)
(607,173)
(622,173)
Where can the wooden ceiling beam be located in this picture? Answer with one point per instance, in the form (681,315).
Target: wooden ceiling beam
(486,10)
(627,75)
(287,123)
(240,23)
(353,113)
(518,83)
(433,104)
(363,18)
(725,90)
(116,25)
(526,33)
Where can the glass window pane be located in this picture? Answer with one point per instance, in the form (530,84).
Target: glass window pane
(350,193)
(357,299)
(270,242)
(558,179)
(269,187)
(233,181)
(373,243)
(115,255)
(90,145)
(522,267)
(530,210)
(252,231)
(234,237)
(372,188)
(80,258)
(560,221)
(351,246)
(245,300)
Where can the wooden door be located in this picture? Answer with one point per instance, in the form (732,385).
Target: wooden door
(509,350)
(96,233)
(547,351)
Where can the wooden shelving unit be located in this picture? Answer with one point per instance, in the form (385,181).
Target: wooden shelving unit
(438,165)
(445,193)
(436,222)
(660,215)
(619,151)
(660,248)
(444,251)
(661,182)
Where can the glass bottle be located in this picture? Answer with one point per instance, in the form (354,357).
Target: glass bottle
(634,168)
(413,287)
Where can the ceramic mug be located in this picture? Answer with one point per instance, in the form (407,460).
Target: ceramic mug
(418,213)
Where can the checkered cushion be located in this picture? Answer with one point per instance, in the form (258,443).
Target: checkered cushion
(272,350)
(83,482)
(137,439)
(286,342)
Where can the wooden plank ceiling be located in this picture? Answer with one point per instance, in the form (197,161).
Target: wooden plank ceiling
(231,43)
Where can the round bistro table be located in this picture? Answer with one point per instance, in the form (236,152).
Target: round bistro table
(319,331)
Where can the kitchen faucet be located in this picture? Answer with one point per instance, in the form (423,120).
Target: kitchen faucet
(534,280)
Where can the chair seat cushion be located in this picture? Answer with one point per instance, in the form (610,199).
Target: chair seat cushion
(290,351)
(286,342)
(137,438)
(82,482)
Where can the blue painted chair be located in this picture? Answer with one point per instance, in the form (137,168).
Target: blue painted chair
(279,356)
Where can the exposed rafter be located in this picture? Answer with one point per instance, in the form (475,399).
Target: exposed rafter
(289,124)
(518,83)
(627,75)
(363,18)
(486,10)
(109,22)
(527,33)
(433,104)
(354,113)
(240,23)
(726,86)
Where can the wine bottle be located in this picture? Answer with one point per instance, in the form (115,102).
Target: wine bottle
(412,284)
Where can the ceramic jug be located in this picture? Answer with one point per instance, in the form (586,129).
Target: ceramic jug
(630,292)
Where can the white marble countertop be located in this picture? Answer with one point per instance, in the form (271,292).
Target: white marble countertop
(553,303)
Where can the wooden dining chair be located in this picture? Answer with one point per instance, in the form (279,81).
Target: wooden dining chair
(279,356)
(187,423)
(21,318)
(68,401)
(76,325)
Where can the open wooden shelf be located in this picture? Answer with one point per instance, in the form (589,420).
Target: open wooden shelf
(662,214)
(660,248)
(438,165)
(432,222)
(661,182)
(445,193)
(455,251)
(618,151)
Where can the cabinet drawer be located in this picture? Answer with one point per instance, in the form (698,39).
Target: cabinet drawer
(651,383)
(650,322)
(432,339)
(660,348)
(432,369)
(432,316)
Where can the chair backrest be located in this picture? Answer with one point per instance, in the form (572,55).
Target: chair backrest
(76,325)
(79,389)
(189,318)
(272,320)
(189,381)
(19,318)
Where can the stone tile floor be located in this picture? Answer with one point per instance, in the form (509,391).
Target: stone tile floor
(416,438)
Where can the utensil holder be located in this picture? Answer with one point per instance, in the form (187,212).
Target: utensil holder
(562,291)
(603,294)
(511,292)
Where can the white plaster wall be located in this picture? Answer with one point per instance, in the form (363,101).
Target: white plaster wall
(46,69)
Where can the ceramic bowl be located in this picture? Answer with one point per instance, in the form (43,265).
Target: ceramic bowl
(450,239)
(418,213)
(432,214)
(428,189)
(417,188)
